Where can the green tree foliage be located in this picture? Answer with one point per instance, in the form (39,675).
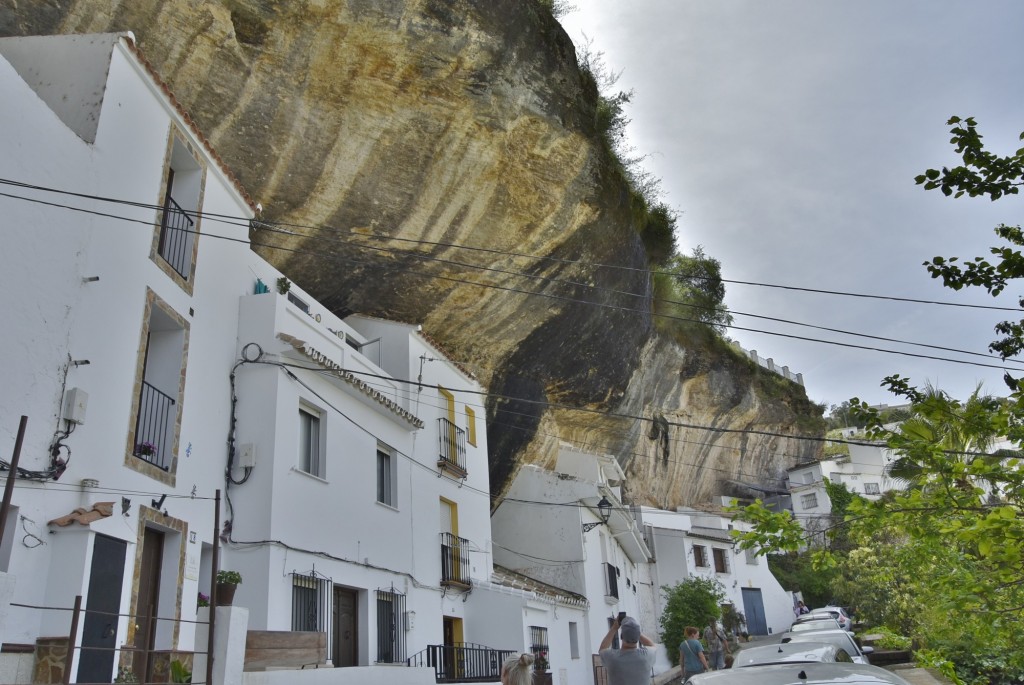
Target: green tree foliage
(795,572)
(693,602)
(691,288)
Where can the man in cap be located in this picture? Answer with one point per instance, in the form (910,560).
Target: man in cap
(631,663)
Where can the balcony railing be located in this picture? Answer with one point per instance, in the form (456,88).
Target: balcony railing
(454,561)
(451,448)
(153,427)
(176,231)
(462,662)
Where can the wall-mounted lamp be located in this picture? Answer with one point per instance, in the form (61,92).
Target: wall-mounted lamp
(81,362)
(605,509)
(126,506)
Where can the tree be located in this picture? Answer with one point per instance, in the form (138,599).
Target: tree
(952,543)
(696,290)
(693,602)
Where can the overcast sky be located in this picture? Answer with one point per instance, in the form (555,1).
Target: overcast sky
(788,134)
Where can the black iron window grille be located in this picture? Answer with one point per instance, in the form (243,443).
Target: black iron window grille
(311,596)
(390,627)
(177,234)
(454,560)
(451,447)
(153,434)
(539,647)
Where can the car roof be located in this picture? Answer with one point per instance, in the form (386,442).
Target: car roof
(819,623)
(837,637)
(800,674)
(822,652)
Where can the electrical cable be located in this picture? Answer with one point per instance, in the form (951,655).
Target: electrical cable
(320,254)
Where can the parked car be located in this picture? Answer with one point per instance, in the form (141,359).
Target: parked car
(800,674)
(838,613)
(816,623)
(839,638)
(791,652)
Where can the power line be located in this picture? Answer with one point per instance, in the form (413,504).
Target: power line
(339,258)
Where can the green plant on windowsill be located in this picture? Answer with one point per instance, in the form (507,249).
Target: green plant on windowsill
(229,577)
(179,673)
(125,675)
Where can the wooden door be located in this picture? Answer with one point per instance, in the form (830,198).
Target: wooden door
(346,635)
(148,603)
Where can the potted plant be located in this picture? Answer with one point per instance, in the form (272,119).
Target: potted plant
(145,449)
(227,583)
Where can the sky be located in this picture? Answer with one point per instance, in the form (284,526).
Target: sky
(787,134)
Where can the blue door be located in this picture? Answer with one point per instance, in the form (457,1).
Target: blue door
(753,610)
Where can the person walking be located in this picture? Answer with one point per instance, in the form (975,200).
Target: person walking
(691,654)
(718,645)
(631,663)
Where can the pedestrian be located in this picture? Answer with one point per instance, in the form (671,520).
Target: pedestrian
(517,670)
(718,646)
(691,654)
(631,663)
(801,608)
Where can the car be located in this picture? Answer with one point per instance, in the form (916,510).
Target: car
(790,652)
(800,674)
(816,623)
(838,613)
(840,638)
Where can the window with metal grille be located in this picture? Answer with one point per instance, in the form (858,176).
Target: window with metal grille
(809,501)
(390,627)
(721,560)
(310,596)
(871,489)
(700,555)
(539,647)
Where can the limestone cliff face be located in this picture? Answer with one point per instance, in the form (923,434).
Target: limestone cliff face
(383,137)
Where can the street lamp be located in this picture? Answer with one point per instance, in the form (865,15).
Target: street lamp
(605,508)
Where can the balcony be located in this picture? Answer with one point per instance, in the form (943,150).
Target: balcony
(176,237)
(451,456)
(153,436)
(462,662)
(455,561)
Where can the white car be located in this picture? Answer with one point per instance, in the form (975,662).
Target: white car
(838,613)
(800,674)
(791,652)
(840,638)
(816,623)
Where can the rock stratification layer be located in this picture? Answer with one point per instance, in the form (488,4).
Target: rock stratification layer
(436,162)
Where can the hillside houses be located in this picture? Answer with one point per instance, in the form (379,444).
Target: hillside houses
(190,409)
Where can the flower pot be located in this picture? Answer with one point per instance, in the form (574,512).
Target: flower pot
(225,594)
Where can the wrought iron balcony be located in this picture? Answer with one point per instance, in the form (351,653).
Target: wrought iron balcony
(455,561)
(176,237)
(462,662)
(153,434)
(451,448)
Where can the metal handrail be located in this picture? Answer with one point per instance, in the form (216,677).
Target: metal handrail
(462,662)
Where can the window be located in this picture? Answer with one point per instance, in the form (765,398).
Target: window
(809,501)
(574,641)
(721,560)
(871,489)
(159,390)
(311,459)
(180,210)
(390,631)
(386,477)
(539,647)
(808,478)
(700,555)
(471,426)
(309,602)
(751,557)
(611,583)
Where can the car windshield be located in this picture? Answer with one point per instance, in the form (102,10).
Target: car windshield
(838,638)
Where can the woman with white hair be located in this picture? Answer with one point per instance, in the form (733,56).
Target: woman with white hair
(517,670)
